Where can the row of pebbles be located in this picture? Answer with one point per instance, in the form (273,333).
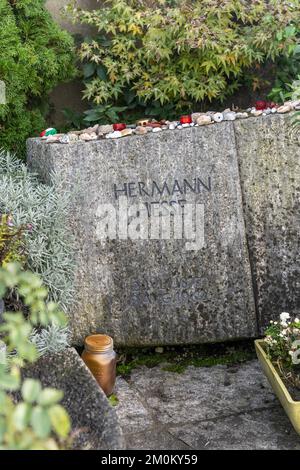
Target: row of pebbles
(198,119)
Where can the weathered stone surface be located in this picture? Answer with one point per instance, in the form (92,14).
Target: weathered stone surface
(221,390)
(93,419)
(267,429)
(220,407)
(131,410)
(146,292)
(269,160)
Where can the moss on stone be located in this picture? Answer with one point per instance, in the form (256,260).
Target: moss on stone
(177,359)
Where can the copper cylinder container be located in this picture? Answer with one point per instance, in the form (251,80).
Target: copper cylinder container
(100,358)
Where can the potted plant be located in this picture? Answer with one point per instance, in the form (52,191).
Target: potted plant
(279,355)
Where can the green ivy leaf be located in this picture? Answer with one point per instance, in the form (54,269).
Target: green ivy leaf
(40,422)
(101,72)
(2,428)
(49,396)
(60,420)
(9,382)
(21,416)
(88,70)
(31,390)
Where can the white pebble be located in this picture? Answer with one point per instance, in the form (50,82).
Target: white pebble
(284,108)
(64,139)
(241,115)
(229,116)
(218,117)
(113,135)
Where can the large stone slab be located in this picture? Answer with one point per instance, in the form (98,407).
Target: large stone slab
(269,161)
(147,292)
(219,407)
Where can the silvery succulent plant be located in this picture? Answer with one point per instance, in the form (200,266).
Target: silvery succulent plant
(51,340)
(49,247)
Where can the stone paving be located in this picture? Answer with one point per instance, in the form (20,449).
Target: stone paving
(220,407)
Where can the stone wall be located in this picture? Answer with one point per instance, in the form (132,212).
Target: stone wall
(147,292)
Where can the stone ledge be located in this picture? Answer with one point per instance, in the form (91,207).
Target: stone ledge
(92,417)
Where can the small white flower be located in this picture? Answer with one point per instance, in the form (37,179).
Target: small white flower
(296,320)
(284,316)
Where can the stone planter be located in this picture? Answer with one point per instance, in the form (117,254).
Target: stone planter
(291,407)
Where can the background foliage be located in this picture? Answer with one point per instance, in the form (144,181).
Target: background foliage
(287,71)
(48,246)
(179,53)
(12,243)
(37,421)
(35,54)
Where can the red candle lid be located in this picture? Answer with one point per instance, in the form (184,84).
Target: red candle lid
(119,127)
(187,119)
(260,104)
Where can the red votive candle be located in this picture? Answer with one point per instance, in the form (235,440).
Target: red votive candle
(119,127)
(186,119)
(260,105)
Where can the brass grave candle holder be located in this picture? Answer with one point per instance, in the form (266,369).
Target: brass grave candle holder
(100,357)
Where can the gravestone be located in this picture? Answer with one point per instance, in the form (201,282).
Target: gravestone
(269,159)
(157,291)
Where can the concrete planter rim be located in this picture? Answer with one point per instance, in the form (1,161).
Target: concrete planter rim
(291,407)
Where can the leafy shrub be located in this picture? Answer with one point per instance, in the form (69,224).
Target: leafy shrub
(35,55)
(180,52)
(48,246)
(38,420)
(288,69)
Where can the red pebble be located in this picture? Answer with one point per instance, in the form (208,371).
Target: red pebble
(119,127)
(260,105)
(186,119)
